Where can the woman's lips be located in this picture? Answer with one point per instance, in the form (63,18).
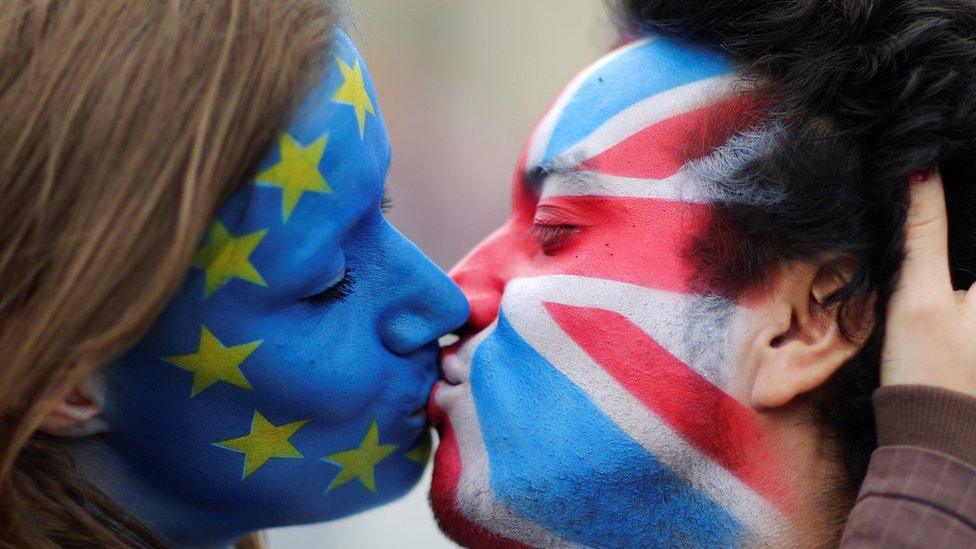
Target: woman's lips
(435,414)
(419,413)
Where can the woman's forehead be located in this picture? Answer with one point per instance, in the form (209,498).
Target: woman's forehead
(631,88)
(326,167)
(323,176)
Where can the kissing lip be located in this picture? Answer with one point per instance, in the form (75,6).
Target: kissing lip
(456,359)
(451,369)
(415,413)
(419,416)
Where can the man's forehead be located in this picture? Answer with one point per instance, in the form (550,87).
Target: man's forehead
(641,83)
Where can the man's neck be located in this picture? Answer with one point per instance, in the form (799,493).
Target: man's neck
(816,478)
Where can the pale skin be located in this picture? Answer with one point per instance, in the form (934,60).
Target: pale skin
(931,329)
(931,337)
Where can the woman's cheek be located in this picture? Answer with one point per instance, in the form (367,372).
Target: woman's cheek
(332,370)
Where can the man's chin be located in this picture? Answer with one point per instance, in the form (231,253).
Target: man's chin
(444,494)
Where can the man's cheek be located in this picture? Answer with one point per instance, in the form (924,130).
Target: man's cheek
(556,458)
(700,412)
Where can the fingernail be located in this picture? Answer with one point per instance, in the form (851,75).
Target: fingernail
(920,176)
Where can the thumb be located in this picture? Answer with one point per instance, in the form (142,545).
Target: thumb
(926,267)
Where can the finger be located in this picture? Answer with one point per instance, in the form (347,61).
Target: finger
(926,264)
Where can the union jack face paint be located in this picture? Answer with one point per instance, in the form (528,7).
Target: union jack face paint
(598,404)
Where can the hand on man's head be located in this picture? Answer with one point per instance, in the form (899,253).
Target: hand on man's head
(931,329)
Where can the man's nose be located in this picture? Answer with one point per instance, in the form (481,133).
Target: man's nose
(429,304)
(482,276)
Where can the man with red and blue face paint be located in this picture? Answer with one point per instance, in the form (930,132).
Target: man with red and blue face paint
(605,392)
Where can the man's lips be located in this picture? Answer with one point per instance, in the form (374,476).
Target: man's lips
(456,358)
(455,361)
(452,371)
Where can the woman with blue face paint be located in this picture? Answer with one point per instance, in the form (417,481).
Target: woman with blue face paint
(208,327)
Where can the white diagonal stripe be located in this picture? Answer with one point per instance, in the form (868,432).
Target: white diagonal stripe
(537,327)
(539,141)
(664,316)
(682,186)
(644,113)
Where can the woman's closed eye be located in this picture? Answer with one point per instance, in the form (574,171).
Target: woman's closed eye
(552,237)
(334,293)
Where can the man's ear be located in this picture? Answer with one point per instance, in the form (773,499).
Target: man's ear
(800,343)
(81,412)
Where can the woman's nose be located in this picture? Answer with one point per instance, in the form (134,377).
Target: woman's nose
(429,304)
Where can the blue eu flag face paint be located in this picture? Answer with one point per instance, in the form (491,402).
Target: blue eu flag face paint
(286,381)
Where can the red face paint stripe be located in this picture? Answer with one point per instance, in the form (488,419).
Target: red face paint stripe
(641,241)
(729,435)
(661,149)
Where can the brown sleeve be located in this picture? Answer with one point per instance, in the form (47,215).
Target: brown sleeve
(920,490)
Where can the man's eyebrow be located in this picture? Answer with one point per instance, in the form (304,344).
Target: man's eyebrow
(537,175)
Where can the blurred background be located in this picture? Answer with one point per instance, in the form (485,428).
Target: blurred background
(460,84)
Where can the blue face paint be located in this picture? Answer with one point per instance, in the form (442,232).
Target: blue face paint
(286,381)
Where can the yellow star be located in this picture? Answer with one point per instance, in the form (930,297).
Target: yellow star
(225,257)
(359,463)
(213,362)
(297,172)
(421,452)
(265,441)
(353,92)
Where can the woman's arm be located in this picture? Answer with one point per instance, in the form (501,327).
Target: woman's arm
(920,490)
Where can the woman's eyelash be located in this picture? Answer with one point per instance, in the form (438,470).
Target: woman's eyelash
(386,204)
(335,293)
(550,236)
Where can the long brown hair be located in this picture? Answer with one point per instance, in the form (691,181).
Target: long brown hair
(123,125)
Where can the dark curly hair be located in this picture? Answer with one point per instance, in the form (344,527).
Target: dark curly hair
(857,95)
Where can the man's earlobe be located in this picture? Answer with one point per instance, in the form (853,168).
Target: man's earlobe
(80,413)
(802,343)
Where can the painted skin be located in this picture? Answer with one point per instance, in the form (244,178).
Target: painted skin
(593,402)
(286,381)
